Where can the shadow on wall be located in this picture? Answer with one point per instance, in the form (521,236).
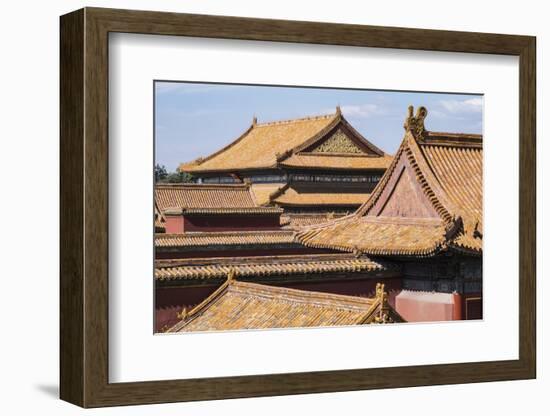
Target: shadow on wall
(51,390)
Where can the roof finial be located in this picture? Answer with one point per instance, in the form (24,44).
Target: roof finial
(415,124)
(338,110)
(383,315)
(254,120)
(183,314)
(380,293)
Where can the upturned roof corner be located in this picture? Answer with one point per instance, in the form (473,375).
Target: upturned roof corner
(415,124)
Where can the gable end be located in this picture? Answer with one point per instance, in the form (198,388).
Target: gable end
(338,142)
(403,196)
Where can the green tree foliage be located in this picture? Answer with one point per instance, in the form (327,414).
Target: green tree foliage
(178,177)
(160,172)
(163,176)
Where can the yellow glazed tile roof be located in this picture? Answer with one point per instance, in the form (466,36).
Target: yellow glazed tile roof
(208,199)
(459,171)
(262,191)
(341,162)
(286,143)
(297,196)
(191,239)
(379,236)
(295,221)
(239,305)
(448,168)
(287,265)
(202,196)
(261,144)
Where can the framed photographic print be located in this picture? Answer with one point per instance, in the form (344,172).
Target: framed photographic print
(256,207)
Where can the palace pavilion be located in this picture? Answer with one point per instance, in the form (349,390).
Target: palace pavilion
(310,167)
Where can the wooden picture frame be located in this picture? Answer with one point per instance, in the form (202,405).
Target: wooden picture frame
(84,207)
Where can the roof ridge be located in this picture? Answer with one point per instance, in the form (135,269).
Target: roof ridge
(168,271)
(296,120)
(378,189)
(259,209)
(300,295)
(452,140)
(238,186)
(327,154)
(266,267)
(200,233)
(430,186)
(429,133)
(284,259)
(225,286)
(278,192)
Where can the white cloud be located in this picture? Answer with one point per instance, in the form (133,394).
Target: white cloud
(362,111)
(438,114)
(471,105)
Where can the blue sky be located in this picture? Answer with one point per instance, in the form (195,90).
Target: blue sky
(193,120)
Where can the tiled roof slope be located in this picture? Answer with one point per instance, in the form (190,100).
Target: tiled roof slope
(448,170)
(292,221)
(286,265)
(459,170)
(369,235)
(223,238)
(196,196)
(262,191)
(340,162)
(267,145)
(291,195)
(239,305)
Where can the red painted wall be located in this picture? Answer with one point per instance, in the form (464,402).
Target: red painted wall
(238,253)
(183,223)
(472,306)
(231,223)
(174,224)
(170,301)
